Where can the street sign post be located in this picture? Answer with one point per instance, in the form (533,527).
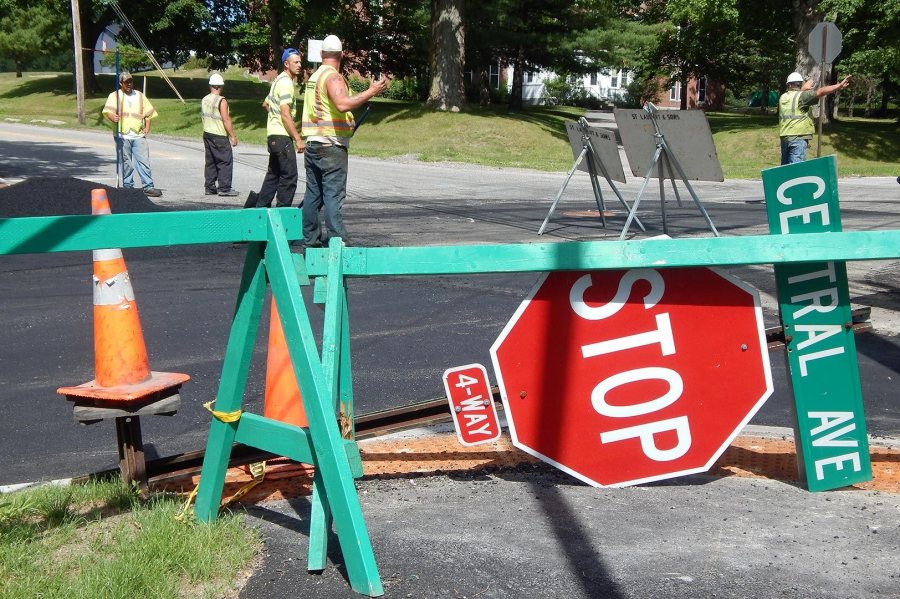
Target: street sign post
(472,404)
(824,46)
(626,377)
(814,300)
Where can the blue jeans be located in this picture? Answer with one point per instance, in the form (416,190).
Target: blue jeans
(793,151)
(326,185)
(135,151)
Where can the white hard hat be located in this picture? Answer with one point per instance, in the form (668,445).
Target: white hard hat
(216,80)
(795,77)
(331,43)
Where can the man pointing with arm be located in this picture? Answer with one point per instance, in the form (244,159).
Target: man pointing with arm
(795,126)
(327,126)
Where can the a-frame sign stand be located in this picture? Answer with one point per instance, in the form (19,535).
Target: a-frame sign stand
(322,383)
(588,152)
(664,159)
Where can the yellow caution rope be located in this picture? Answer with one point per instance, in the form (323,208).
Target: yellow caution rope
(223,416)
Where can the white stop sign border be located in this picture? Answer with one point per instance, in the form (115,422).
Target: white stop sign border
(767,370)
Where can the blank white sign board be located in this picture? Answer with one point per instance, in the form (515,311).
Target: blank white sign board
(605,148)
(687,134)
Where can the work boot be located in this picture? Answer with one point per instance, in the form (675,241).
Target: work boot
(152,192)
(228,194)
(251,200)
(211,192)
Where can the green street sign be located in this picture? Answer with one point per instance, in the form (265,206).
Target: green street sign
(814,301)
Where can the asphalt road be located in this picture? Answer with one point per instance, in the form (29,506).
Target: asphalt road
(405,331)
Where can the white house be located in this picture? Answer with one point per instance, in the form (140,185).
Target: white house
(605,86)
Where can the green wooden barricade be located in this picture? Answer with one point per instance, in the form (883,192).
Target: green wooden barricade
(324,378)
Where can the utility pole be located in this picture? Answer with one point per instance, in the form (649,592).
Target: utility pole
(79,61)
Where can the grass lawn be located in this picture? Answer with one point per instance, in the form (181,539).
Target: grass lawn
(100,541)
(534,138)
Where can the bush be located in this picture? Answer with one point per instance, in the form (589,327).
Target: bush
(357,84)
(500,95)
(407,88)
(632,96)
(195,62)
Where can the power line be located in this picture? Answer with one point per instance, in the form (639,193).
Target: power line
(134,34)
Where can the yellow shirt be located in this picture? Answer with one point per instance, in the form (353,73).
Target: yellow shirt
(133,109)
(283,91)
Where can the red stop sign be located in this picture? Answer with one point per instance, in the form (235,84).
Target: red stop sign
(625,377)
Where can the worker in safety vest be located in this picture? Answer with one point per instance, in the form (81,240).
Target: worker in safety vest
(796,127)
(326,126)
(218,139)
(283,140)
(131,112)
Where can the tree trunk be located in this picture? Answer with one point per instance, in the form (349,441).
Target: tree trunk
(806,17)
(90,31)
(275,40)
(764,101)
(447,55)
(850,104)
(684,89)
(484,87)
(518,81)
(837,103)
(18,68)
(885,94)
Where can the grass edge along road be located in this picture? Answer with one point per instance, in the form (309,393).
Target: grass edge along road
(100,540)
(746,142)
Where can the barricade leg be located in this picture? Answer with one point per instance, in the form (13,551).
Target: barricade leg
(332,465)
(333,346)
(235,368)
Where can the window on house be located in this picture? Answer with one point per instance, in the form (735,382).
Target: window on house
(495,75)
(675,92)
(593,78)
(614,80)
(701,90)
(529,77)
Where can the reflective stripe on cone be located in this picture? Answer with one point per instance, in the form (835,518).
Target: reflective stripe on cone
(120,354)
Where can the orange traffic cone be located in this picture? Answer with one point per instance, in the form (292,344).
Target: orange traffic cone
(120,355)
(282,400)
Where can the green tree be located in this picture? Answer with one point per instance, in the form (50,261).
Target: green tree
(871,46)
(702,39)
(28,32)
(537,35)
(766,51)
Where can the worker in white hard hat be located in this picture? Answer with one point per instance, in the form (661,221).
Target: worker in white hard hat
(218,139)
(796,128)
(326,126)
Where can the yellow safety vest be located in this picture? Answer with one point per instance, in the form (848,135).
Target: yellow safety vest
(793,121)
(131,113)
(274,124)
(320,116)
(212,118)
